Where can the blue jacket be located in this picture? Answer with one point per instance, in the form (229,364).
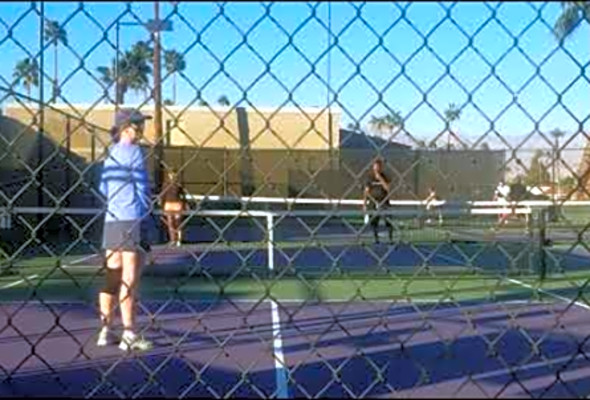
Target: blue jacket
(125,184)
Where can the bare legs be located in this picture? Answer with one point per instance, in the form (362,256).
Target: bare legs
(129,264)
(106,300)
(173,224)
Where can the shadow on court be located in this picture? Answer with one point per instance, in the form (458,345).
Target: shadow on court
(446,352)
(331,349)
(50,350)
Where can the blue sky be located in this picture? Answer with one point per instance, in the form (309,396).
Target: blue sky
(211,35)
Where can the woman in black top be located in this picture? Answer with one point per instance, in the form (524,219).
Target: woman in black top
(173,207)
(376,193)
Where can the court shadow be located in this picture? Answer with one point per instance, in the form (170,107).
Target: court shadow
(173,376)
(207,350)
(435,355)
(431,369)
(328,354)
(572,388)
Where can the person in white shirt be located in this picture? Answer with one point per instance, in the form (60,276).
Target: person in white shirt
(430,202)
(501,195)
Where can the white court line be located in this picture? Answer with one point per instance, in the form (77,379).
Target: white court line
(80,260)
(16,283)
(280,370)
(542,363)
(568,300)
(526,285)
(34,276)
(280,367)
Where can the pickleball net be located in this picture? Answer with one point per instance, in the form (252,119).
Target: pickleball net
(307,238)
(261,239)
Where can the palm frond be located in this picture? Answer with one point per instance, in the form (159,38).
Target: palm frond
(567,21)
(174,61)
(55,33)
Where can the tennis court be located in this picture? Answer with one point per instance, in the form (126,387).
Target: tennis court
(456,308)
(319,346)
(266,140)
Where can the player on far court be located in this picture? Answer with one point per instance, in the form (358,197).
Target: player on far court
(125,184)
(173,207)
(376,194)
(502,195)
(430,202)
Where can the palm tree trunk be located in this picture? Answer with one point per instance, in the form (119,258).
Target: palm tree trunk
(120,94)
(55,85)
(174,88)
(449,137)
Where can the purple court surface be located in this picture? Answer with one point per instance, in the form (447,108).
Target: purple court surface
(368,349)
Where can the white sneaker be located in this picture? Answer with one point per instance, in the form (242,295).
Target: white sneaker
(132,341)
(104,337)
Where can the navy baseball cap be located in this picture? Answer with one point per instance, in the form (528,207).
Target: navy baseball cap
(126,116)
(129,116)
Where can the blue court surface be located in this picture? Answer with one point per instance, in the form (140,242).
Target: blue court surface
(294,349)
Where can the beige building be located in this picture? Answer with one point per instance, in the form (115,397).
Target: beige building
(217,127)
(218,150)
(262,152)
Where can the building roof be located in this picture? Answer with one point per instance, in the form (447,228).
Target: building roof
(359,140)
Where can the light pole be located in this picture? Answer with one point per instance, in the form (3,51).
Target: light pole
(157,95)
(556,133)
(557,163)
(154,27)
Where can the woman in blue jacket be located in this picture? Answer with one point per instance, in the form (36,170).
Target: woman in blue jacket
(125,184)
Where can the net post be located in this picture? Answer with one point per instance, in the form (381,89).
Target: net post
(541,243)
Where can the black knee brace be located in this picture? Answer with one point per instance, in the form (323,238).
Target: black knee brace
(113,281)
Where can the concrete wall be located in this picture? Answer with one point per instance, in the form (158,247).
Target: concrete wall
(198,126)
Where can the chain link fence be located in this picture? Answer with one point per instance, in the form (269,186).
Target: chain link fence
(272,114)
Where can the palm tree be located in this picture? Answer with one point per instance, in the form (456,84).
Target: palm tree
(537,173)
(386,123)
(107,77)
(26,72)
(141,55)
(133,72)
(203,103)
(573,12)
(223,101)
(142,51)
(377,123)
(354,126)
(54,35)
(394,119)
(452,114)
(174,63)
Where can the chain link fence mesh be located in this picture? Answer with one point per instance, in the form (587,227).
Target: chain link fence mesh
(272,115)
